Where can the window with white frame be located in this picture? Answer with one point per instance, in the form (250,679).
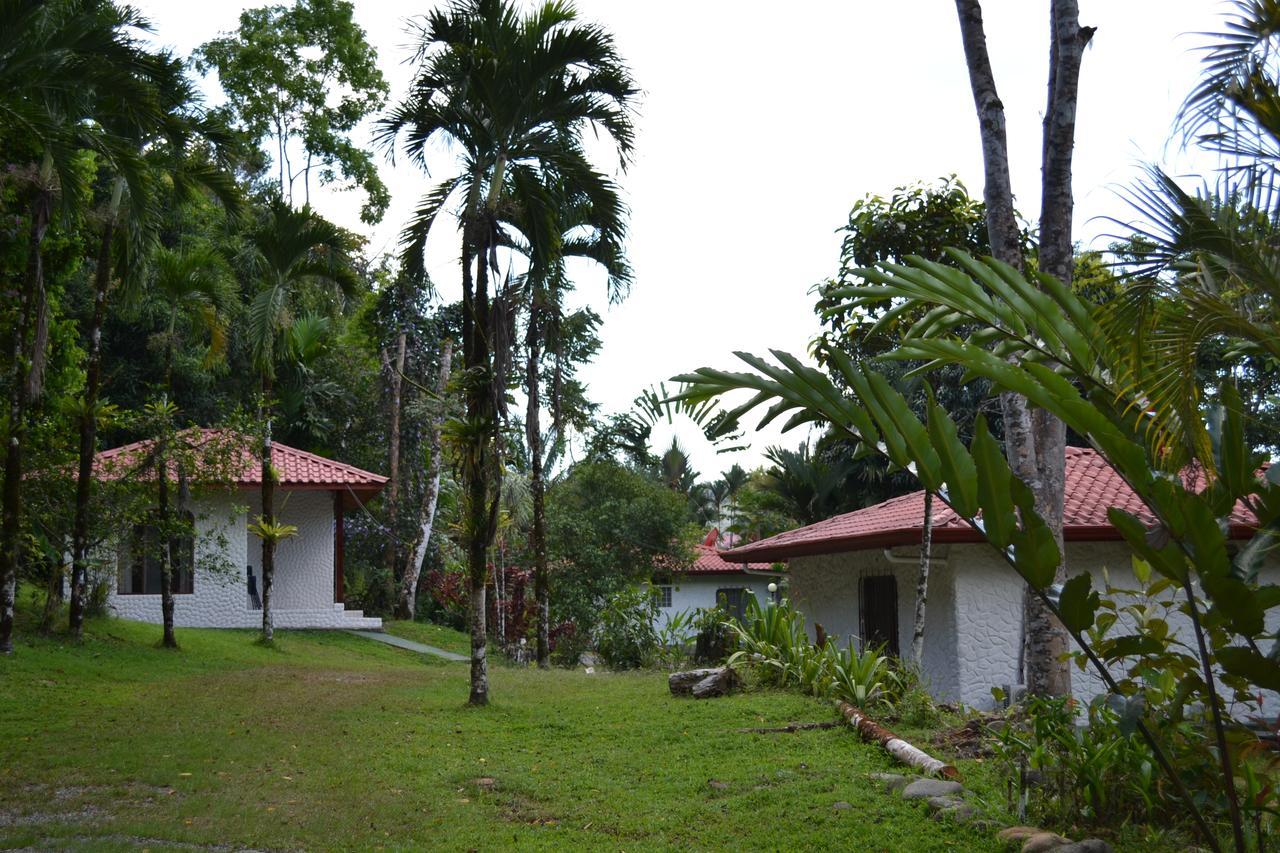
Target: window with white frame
(662,595)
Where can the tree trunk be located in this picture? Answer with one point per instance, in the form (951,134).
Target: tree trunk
(1034,441)
(166,546)
(426,520)
(268,516)
(537,485)
(922,582)
(904,752)
(24,364)
(396,378)
(89,422)
(681,683)
(481,417)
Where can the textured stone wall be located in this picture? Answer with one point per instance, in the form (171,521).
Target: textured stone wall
(973,624)
(303,588)
(825,588)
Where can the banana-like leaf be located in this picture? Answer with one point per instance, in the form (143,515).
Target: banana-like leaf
(1078,603)
(998,518)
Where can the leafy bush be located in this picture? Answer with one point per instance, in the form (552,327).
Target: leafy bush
(674,637)
(626,637)
(1093,770)
(713,639)
(773,640)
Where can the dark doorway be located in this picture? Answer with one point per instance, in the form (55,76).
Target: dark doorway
(879,613)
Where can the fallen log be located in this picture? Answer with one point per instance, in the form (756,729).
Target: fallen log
(681,683)
(871,731)
(717,684)
(791,727)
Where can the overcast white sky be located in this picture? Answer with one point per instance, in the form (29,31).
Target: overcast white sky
(761,124)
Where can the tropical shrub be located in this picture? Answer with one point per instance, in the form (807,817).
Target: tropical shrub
(626,638)
(1067,766)
(772,640)
(673,638)
(712,641)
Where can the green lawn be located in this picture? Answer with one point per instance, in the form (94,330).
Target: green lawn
(330,741)
(433,635)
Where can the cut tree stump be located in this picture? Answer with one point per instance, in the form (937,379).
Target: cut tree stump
(717,684)
(871,731)
(681,683)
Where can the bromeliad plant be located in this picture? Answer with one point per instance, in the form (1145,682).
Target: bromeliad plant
(1038,339)
(773,640)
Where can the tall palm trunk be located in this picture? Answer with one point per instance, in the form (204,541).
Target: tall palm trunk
(89,419)
(475,323)
(396,374)
(426,520)
(922,582)
(27,353)
(1034,441)
(537,485)
(268,491)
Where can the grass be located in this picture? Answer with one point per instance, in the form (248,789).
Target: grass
(330,741)
(439,636)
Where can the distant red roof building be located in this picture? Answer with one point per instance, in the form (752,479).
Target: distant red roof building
(710,560)
(298,469)
(1092,487)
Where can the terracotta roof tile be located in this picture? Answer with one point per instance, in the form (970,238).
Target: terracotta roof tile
(298,468)
(709,560)
(1092,487)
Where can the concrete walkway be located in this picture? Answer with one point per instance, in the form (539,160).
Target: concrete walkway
(401,643)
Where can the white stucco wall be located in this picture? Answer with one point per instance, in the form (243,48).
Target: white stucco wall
(973,623)
(691,592)
(825,589)
(302,592)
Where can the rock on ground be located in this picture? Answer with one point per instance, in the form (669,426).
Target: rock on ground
(924,788)
(1042,842)
(892,781)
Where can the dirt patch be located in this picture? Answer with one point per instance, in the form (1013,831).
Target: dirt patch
(970,740)
(520,809)
(83,814)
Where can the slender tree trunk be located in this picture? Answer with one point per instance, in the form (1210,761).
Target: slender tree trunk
(89,420)
(52,596)
(26,355)
(166,546)
(426,519)
(268,516)
(537,485)
(396,371)
(1034,441)
(475,326)
(922,582)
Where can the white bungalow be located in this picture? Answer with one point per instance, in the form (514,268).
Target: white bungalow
(855,574)
(710,579)
(217,574)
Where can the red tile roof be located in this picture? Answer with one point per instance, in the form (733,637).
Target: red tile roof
(1092,487)
(710,560)
(298,468)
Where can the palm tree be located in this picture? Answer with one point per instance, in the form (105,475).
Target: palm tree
(590,228)
(65,68)
(172,149)
(291,250)
(512,94)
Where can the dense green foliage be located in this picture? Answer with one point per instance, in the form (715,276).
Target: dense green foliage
(609,527)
